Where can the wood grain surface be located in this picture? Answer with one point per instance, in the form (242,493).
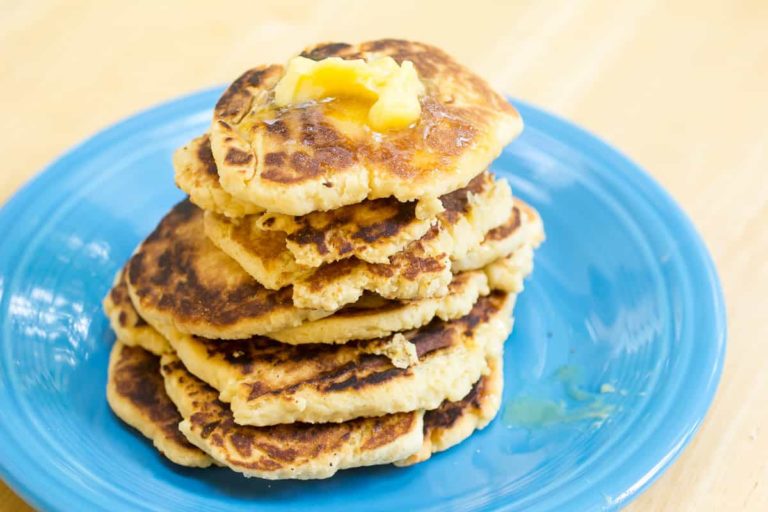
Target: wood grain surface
(680,86)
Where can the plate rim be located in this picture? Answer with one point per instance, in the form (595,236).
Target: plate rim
(33,490)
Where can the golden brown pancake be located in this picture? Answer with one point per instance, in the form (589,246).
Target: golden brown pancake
(321,155)
(507,274)
(522,228)
(422,269)
(195,173)
(379,320)
(298,450)
(129,327)
(372,230)
(178,279)
(270,383)
(365,321)
(453,422)
(136,393)
(278,250)
(471,212)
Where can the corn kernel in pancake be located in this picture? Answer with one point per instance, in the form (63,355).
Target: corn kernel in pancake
(322,154)
(136,394)
(294,451)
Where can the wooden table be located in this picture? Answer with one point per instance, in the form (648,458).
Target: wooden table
(681,86)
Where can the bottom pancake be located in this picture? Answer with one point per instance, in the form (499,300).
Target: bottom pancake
(145,394)
(136,394)
(297,450)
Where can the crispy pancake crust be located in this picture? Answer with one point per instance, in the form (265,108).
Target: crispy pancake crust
(270,383)
(178,279)
(507,274)
(379,320)
(296,451)
(470,220)
(268,246)
(371,230)
(452,357)
(356,323)
(523,227)
(129,327)
(453,422)
(136,394)
(263,254)
(421,270)
(321,155)
(471,212)
(195,173)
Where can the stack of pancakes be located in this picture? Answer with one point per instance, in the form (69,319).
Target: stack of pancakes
(327,296)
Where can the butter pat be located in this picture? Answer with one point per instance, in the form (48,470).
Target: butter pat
(392,90)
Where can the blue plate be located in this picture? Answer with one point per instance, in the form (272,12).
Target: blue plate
(616,354)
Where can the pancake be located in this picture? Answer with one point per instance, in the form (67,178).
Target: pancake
(297,451)
(321,155)
(453,422)
(262,254)
(471,212)
(129,327)
(372,230)
(523,227)
(270,383)
(422,269)
(361,323)
(369,232)
(507,274)
(358,322)
(136,394)
(195,173)
(179,279)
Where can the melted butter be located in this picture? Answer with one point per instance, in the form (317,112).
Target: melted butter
(379,92)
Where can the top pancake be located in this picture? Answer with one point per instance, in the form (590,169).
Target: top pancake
(195,173)
(322,155)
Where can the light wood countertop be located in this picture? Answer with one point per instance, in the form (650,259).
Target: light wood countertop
(680,86)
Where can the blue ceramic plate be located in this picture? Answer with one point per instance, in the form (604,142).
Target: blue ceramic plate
(616,354)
